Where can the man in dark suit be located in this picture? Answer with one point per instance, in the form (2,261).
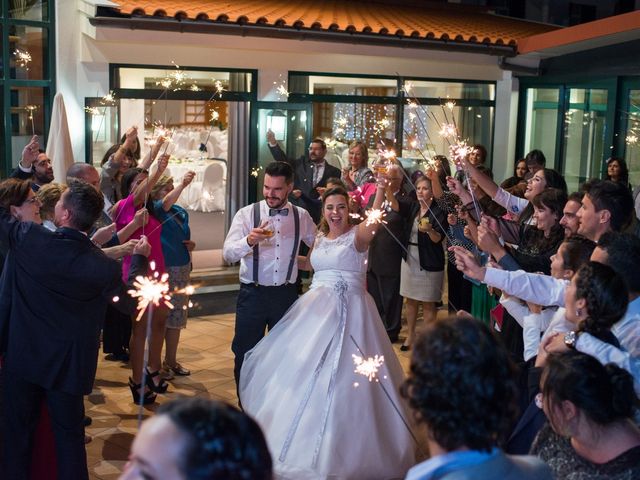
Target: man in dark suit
(55,290)
(385,255)
(34,166)
(309,173)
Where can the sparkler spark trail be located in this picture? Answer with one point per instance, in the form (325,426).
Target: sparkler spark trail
(92,110)
(151,290)
(448,131)
(384,389)
(23,58)
(217,84)
(255,171)
(375,216)
(109,99)
(368,367)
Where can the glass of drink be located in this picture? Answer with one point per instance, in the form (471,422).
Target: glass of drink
(268,230)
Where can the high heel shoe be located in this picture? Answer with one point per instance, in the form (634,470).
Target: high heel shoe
(148,397)
(161,387)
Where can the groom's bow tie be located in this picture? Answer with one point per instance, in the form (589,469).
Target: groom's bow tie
(278,211)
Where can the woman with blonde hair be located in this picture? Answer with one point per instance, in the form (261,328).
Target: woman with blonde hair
(48,195)
(358,173)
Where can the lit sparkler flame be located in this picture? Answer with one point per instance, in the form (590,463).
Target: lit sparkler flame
(179,77)
(411,104)
(460,151)
(282,91)
(194,88)
(215,115)
(389,154)
(631,140)
(450,104)
(369,367)
(217,84)
(108,99)
(448,130)
(154,290)
(151,290)
(375,216)
(408,87)
(92,110)
(23,58)
(255,172)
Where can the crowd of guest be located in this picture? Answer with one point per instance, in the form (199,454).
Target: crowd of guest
(536,376)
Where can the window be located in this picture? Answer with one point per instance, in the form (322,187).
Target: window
(410,112)
(26,75)
(632,136)
(541,122)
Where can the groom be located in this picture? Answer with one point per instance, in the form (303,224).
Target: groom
(265,237)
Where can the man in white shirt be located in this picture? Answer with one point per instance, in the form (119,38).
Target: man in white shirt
(621,251)
(265,237)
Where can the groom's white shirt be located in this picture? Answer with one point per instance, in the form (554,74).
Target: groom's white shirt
(275,252)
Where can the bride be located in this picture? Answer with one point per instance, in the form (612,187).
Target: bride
(322,420)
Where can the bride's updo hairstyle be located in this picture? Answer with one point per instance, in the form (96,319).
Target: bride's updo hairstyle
(323,226)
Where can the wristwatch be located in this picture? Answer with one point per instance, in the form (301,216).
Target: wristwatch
(570,339)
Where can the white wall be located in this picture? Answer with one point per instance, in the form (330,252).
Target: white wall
(84,53)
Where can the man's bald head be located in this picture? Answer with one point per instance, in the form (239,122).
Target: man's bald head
(83,172)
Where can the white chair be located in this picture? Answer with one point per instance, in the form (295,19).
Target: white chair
(212,188)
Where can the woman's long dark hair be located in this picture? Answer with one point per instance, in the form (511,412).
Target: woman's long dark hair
(603,392)
(624,170)
(605,294)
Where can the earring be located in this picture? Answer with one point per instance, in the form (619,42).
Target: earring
(578,312)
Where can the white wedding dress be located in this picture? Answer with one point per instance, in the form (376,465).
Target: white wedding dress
(321,419)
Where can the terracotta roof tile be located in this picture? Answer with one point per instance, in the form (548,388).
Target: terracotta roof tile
(346,16)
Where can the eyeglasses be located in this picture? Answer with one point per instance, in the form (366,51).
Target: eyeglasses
(32,201)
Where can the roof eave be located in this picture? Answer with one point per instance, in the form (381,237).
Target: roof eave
(186,26)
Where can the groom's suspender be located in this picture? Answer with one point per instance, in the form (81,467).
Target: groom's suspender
(296,240)
(256,248)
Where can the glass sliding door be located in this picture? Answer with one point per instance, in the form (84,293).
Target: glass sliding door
(632,135)
(585,123)
(541,122)
(289,124)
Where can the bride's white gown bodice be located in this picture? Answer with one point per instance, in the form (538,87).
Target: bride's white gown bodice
(320,418)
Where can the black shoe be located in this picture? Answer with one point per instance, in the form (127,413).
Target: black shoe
(117,357)
(149,396)
(160,387)
(393,338)
(405,348)
(87,421)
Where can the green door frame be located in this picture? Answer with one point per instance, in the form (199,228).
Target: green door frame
(254,135)
(564,87)
(48,83)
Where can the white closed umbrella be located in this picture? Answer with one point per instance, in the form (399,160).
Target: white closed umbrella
(59,148)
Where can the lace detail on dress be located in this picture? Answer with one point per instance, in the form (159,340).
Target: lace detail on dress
(325,244)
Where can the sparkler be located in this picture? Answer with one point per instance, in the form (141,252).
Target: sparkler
(372,367)
(22,58)
(217,84)
(281,89)
(375,216)
(151,291)
(255,171)
(30,109)
(448,130)
(368,367)
(109,99)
